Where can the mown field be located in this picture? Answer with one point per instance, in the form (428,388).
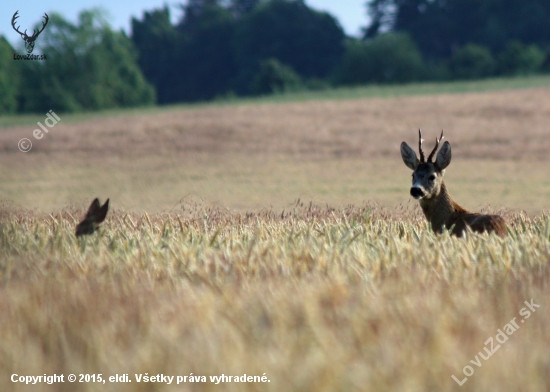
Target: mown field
(277,239)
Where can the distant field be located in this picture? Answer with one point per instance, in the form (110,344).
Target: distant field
(253,155)
(278,239)
(345,93)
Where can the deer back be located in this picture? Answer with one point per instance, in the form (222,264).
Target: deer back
(480,223)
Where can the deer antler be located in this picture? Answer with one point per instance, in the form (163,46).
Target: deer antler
(420,140)
(15,16)
(35,33)
(46,20)
(437,141)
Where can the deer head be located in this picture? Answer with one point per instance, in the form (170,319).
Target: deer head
(95,215)
(29,41)
(427,176)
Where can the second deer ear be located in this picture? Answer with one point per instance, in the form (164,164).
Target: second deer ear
(409,156)
(444,156)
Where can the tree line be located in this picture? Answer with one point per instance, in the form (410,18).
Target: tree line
(224,48)
(461,39)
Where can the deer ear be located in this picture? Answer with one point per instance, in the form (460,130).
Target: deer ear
(409,156)
(444,156)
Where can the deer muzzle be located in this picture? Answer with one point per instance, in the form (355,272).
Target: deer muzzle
(417,192)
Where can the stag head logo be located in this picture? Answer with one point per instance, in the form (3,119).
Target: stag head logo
(29,41)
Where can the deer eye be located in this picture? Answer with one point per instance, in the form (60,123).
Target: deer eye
(431,177)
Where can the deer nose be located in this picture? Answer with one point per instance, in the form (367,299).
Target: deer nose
(417,192)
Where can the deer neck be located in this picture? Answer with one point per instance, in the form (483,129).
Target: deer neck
(441,210)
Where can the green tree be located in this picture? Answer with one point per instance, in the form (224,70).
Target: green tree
(439,26)
(308,41)
(388,58)
(156,40)
(204,61)
(192,60)
(221,47)
(275,77)
(472,62)
(243,7)
(89,67)
(9,78)
(519,59)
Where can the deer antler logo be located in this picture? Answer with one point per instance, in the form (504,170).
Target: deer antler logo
(29,41)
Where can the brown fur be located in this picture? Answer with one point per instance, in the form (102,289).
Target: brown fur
(95,215)
(442,212)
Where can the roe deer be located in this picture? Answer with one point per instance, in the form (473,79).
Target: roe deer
(95,215)
(429,189)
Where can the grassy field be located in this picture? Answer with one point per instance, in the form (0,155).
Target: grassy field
(278,239)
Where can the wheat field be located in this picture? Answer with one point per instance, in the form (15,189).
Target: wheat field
(275,245)
(315,298)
